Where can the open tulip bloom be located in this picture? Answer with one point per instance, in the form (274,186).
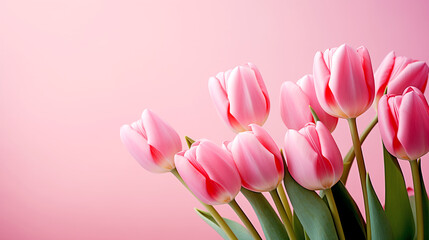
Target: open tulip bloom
(309,176)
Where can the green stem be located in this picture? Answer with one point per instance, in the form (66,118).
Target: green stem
(418,198)
(237,209)
(362,171)
(348,159)
(283,214)
(285,202)
(210,209)
(334,211)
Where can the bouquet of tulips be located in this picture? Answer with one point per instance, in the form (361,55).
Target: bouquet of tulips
(306,179)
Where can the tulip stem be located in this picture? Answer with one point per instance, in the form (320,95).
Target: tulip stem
(283,215)
(237,209)
(284,200)
(334,211)
(348,159)
(220,221)
(418,198)
(362,171)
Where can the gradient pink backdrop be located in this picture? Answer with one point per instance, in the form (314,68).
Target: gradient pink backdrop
(72,72)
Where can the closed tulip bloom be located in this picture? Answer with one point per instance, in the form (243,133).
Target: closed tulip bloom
(398,73)
(313,157)
(295,100)
(404,124)
(152,142)
(344,81)
(258,159)
(209,172)
(240,96)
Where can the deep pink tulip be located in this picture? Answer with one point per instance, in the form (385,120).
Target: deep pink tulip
(295,100)
(398,73)
(313,158)
(240,96)
(152,142)
(404,124)
(209,172)
(258,159)
(344,81)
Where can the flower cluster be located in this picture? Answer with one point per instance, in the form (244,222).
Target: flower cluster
(343,86)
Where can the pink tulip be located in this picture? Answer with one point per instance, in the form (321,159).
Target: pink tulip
(209,172)
(344,81)
(404,124)
(240,96)
(313,157)
(152,142)
(295,102)
(398,73)
(258,159)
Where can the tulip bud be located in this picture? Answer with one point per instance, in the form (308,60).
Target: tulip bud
(398,73)
(344,81)
(209,172)
(295,102)
(313,157)
(258,159)
(240,96)
(404,124)
(152,142)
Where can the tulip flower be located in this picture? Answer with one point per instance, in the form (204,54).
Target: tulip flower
(313,157)
(404,123)
(295,102)
(240,96)
(209,172)
(152,142)
(258,159)
(398,73)
(344,81)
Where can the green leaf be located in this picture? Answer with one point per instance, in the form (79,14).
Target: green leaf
(311,210)
(380,227)
(241,232)
(351,218)
(189,141)
(297,227)
(425,203)
(398,209)
(270,222)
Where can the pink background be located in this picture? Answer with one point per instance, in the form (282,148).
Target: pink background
(72,72)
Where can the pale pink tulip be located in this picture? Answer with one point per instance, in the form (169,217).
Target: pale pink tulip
(344,81)
(258,159)
(404,124)
(398,73)
(295,100)
(240,97)
(209,172)
(313,157)
(152,142)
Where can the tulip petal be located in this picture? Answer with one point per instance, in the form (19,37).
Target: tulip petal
(301,160)
(294,106)
(330,151)
(383,73)
(194,179)
(220,167)
(322,74)
(261,84)
(347,81)
(256,165)
(413,129)
(140,150)
(306,84)
(268,142)
(160,135)
(415,74)
(247,102)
